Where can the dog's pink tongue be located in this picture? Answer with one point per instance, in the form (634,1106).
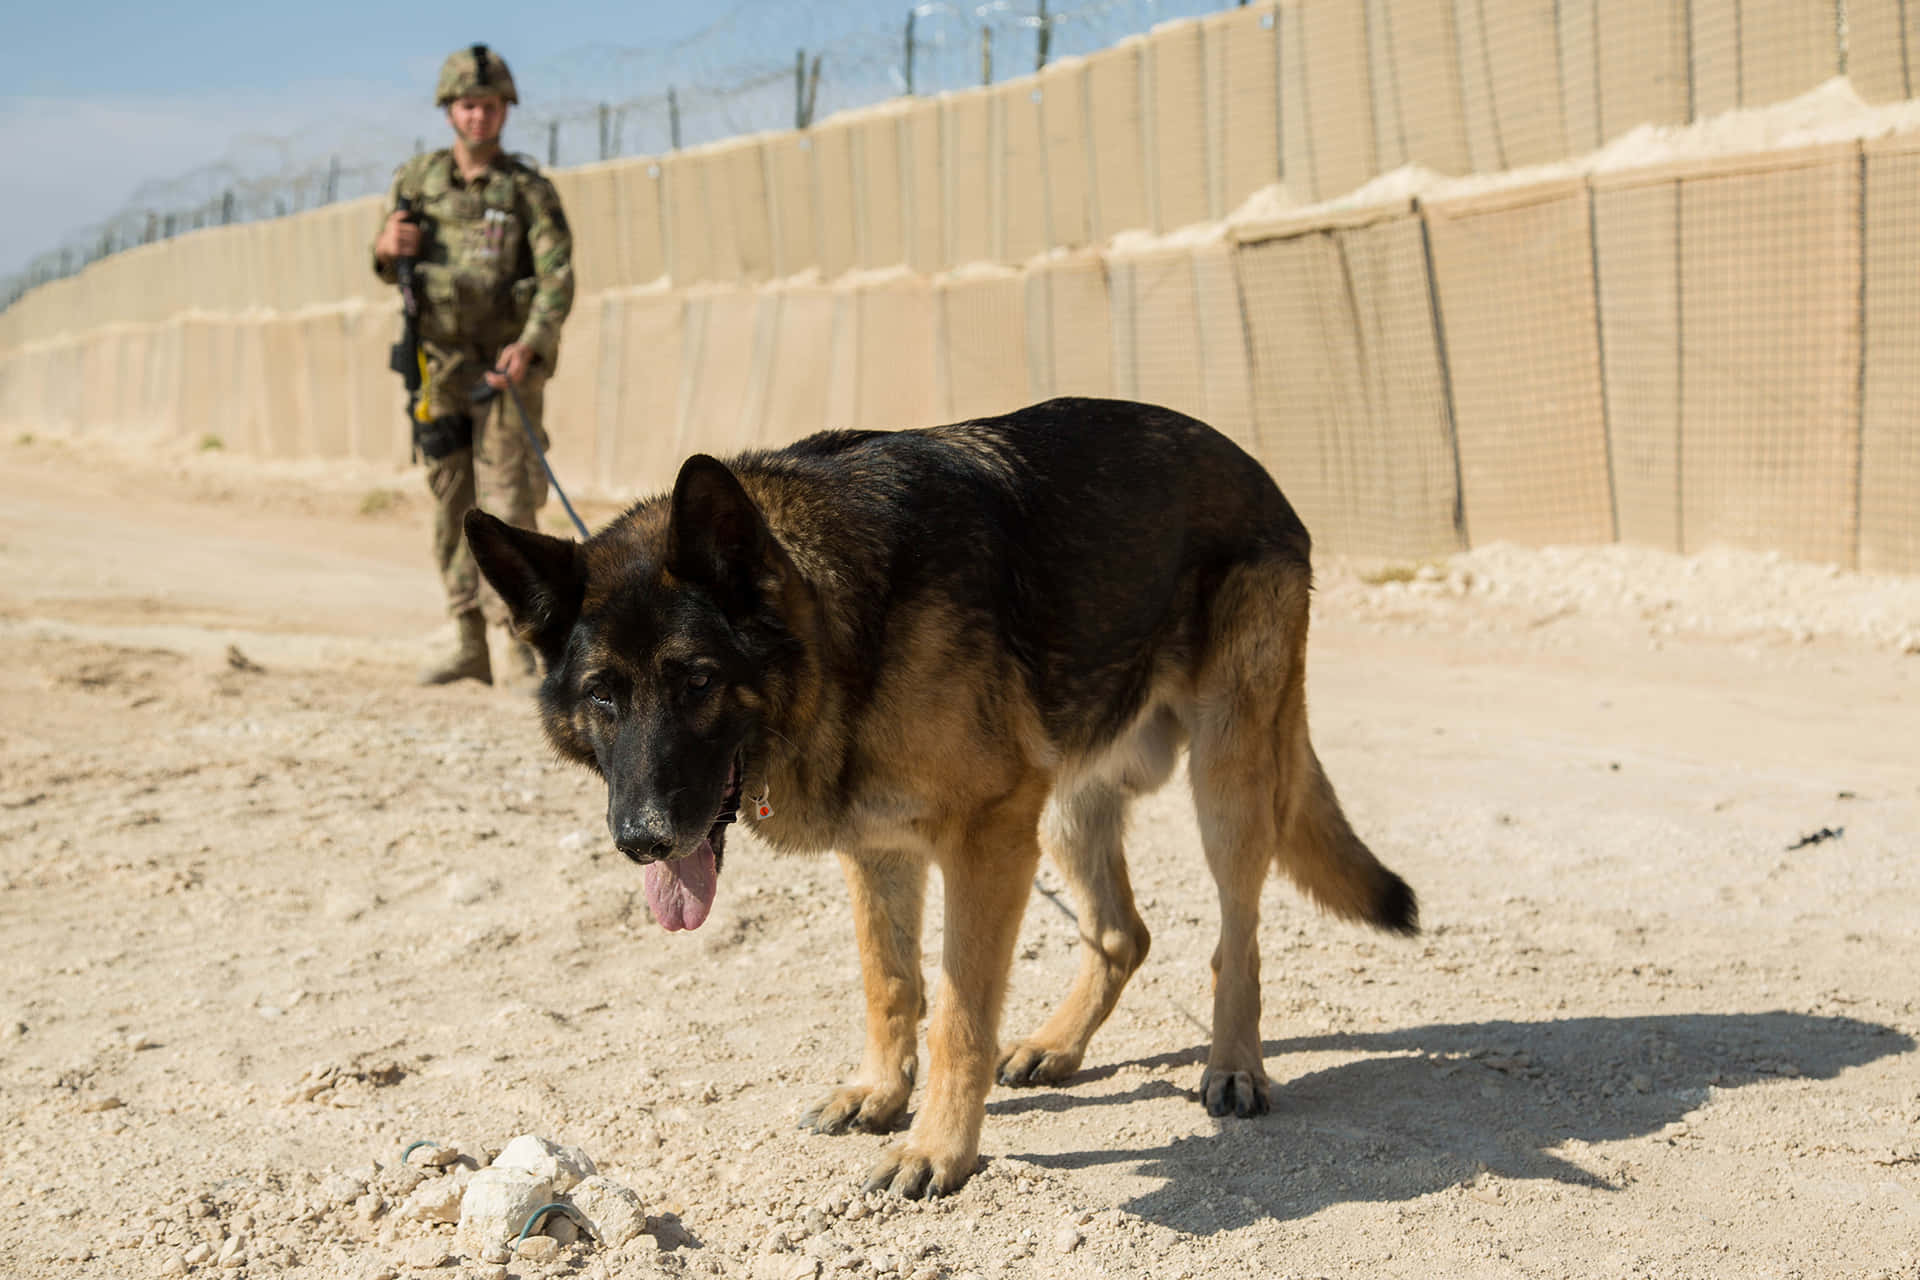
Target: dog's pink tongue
(680,894)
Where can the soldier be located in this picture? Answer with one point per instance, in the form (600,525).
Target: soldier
(494,281)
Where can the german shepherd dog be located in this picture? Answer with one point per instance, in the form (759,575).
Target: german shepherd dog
(952,647)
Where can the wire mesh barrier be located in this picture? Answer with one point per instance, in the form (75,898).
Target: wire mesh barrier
(1310,223)
(1349,385)
(761,65)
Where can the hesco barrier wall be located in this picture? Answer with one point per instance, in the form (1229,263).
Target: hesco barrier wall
(1715,351)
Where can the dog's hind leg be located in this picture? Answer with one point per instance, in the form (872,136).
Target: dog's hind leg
(1238,834)
(987,871)
(1262,799)
(1083,830)
(889,895)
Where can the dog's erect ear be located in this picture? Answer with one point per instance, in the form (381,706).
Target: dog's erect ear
(717,537)
(541,578)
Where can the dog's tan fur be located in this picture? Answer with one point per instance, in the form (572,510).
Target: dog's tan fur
(1262,800)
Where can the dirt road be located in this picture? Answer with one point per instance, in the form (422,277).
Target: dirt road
(269,914)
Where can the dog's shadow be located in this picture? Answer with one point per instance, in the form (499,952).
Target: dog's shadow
(1439,1106)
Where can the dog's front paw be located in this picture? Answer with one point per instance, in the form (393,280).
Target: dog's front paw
(857,1106)
(907,1169)
(1032,1063)
(1235,1093)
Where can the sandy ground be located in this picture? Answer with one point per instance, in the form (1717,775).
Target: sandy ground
(269,914)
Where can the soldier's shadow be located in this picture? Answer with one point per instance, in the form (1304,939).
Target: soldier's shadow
(1432,1107)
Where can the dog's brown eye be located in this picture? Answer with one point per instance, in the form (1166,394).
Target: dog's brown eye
(699,680)
(597,694)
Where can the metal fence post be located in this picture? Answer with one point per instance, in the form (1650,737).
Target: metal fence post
(673,116)
(1906,62)
(1043,40)
(1600,344)
(1860,377)
(986,54)
(912,14)
(1446,375)
(1693,91)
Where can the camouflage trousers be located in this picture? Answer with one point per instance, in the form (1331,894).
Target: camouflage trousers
(501,475)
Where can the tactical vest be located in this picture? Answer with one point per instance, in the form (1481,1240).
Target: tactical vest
(475,273)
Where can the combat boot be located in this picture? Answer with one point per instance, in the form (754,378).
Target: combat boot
(469,660)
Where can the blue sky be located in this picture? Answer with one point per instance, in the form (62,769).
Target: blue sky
(103,101)
(99,97)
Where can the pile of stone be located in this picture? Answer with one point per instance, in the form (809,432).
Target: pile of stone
(535,1199)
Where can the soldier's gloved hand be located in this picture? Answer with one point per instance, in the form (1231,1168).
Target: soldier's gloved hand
(398,239)
(514,361)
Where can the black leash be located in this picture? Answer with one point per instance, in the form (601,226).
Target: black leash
(486,391)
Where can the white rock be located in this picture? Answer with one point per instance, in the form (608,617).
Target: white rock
(614,1213)
(1066,1239)
(435,1200)
(426,1255)
(199,1254)
(538,1248)
(497,1204)
(564,1167)
(175,1266)
(340,1188)
(644,1246)
(435,1157)
(399,1183)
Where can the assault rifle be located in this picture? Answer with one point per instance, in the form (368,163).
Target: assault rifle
(405,358)
(433,437)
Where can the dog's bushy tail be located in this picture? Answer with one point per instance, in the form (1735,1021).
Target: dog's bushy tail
(1321,854)
(1257,781)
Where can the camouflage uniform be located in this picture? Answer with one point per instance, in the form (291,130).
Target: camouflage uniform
(495,267)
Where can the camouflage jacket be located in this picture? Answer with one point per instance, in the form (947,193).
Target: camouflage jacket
(497,261)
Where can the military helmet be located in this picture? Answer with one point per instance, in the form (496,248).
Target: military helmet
(474,70)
